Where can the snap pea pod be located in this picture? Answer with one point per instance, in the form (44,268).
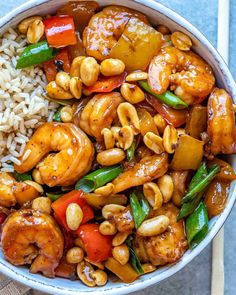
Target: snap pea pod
(197,225)
(134,260)
(188,208)
(168,97)
(98,178)
(35,54)
(202,184)
(139,206)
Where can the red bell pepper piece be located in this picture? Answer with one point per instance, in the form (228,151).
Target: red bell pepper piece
(107,84)
(97,246)
(173,117)
(60,31)
(60,206)
(61,62)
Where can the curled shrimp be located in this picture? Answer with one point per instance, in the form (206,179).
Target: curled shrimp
(99,113)
(147,169)
(12,192)
(30,236)
(72,155)
(221,127)
(187,73)
(167,247)
(105,28)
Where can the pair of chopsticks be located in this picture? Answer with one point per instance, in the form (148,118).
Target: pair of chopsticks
(217,278)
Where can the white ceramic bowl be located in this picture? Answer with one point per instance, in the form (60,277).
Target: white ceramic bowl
(158,14)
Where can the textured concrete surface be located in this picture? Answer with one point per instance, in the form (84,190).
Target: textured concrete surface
(195,278)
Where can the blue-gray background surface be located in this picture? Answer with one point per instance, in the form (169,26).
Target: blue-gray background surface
(196,277)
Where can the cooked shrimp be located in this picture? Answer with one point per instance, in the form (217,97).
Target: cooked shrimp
(186,72)
(167,247)
(221,123)
(73,160)
(99,113)
(147,169)
(30,236)
(105,28)
(12,192)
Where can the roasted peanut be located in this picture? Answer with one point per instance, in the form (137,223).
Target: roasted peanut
(137,76)
(75,255)
(124,137)
(128,116)
(63,80)
(181,41)
(181,131)
(163,29)
(66,114)
(160,123)
(120,238)
(148,267)
(153,226)
(170,138)
(105,190)
(75,66)
(153,142)
(112,67)
(110,157)
(109,139)
(24,25)
(76,87)
(84,272)
(37,176)
(121,254)
(132,93)
(107,228)
(74,216)
(35,31)
(166,186)
(153,194)
(55,91)
(34,184)
(109,210)
(100,277)
(42,204)
(89,71)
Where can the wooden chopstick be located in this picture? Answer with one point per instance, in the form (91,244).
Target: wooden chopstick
(217,278)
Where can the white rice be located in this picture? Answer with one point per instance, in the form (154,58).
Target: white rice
(22,105)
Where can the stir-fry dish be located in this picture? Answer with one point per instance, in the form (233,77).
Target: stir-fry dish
(112,135)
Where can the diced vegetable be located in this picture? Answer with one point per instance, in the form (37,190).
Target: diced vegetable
(197,225)
(173,117)
(80,11)
(188,208)
(139,206)
(125,272)
(197,121)
(61,62)
(201,184)
(57,116)
(61,204)
(97,246)
(99,201)
(188,153)
(216,197)
(60,31)
(53,197)
(137,45)
(98,178)
(134,260)
(35,54)
(22,176)
(168,97)
(146,122)
(107,84)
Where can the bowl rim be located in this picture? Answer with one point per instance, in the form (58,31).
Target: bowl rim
(11,270)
